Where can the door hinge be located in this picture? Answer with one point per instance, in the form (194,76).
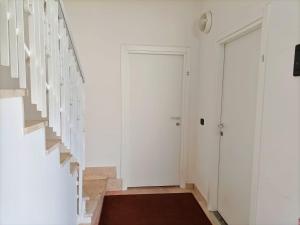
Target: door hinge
(263,58)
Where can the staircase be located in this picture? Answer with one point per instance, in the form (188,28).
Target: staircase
(42,120)
(42,94)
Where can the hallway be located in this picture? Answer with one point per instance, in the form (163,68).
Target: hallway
(149,112)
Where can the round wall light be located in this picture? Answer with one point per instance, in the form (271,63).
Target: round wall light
(205,22)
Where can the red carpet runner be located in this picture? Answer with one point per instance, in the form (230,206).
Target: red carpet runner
(152,209)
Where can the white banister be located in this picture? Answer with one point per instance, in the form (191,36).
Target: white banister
(21,42)
(13,44)
(35,41)
(4,37)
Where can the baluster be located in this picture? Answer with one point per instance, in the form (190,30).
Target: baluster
(56,80)
(4,38)
(37,21)
(21,43)
(13,44)
(49,15)
(33,56)
(43,34)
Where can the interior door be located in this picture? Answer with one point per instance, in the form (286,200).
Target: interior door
(241,64)
(154,137)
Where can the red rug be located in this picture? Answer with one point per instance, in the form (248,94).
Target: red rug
(152,209)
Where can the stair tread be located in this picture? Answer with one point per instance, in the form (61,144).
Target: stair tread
(91,205)
(94,188)
(74,166)
(114,184)
(65,156)
(12,93)
(33,125)
(52,144)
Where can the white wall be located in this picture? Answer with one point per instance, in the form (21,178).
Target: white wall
(277,201)
(34,188)
(280,143)
(99,29)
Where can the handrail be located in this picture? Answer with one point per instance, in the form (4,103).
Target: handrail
(62,10)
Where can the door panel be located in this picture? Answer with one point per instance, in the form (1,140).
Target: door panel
(154,109)
(238,117)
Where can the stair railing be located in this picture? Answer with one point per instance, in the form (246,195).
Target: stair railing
(35,42)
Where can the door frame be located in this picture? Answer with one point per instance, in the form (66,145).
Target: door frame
(260,22)
(126,50)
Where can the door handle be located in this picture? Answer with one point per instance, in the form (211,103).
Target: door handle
(175,118)
(221,125)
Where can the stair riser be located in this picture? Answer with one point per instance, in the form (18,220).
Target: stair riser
(114,185)
(109,172)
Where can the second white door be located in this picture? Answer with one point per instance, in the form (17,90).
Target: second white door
(154,119)
(238,118)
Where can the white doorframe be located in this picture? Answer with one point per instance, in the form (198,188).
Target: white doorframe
(258,23)
(126,50)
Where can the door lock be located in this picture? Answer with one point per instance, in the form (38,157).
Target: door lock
(221,125)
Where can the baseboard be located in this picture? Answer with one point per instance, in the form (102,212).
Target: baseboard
(190,186)
(196,189)
(203,203)
(84,220)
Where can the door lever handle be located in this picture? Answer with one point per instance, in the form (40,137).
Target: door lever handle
(175,118)
(221,125)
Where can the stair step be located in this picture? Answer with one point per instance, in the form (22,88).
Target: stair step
(12,93)
(90,206)
(74,166)
(93,210)
(33,125)
(94,177)
(94,188)
(52,144)
(114,184)
(64,157)
(109,172)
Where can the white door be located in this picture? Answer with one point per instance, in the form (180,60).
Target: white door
(154,114)
(241,64)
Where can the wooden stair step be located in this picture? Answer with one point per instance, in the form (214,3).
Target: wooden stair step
(109,172)
(12,93)
(94,188)
(52,144)
(93,209)
(74,166)
(33,125)
(64,157)
(94,177)
(90,206)
(114,184)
